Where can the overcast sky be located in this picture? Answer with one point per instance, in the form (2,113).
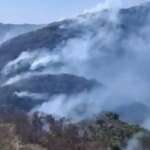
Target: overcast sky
(46,11)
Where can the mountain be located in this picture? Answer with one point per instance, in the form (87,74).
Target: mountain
(47,37)
(99,46)
(33,91)
(79,69)
(65,57)
(34,85)
(57,33)
(9,31)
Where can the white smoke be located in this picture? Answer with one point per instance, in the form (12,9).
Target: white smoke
(134,143)
(122,67)
(35,96)
(139,141)
(115,4)
(60,60)
(30,61)
(24,59)
(76,107)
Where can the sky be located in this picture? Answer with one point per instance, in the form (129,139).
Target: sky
(41,11)
(46,11)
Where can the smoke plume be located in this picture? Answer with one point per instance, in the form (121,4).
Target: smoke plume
(113,49)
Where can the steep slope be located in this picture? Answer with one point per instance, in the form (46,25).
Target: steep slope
(33,91)
(48,37)
(108,46)
(131,20)
(60,66)
(56,36)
